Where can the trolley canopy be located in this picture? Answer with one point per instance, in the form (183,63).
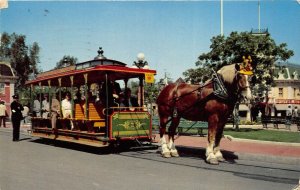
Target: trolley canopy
(95,71)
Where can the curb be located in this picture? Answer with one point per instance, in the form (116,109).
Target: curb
(262,142)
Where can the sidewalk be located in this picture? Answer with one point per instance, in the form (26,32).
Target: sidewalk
(276,152)
(245,149)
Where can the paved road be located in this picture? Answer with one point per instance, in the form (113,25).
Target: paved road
(34,164)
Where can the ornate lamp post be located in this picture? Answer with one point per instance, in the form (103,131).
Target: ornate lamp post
(140,63)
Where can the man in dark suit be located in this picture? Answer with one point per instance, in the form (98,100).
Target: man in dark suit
(16,116)
(130,101)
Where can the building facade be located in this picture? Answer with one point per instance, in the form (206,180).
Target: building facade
(286,92)
(7,84)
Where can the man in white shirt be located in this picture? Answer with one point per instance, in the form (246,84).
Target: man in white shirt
(45,107)
(37,107)
(25,114)
(66,108)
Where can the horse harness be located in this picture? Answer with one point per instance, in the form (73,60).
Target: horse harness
(219,91)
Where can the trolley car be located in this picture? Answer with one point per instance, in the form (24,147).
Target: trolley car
(97,119)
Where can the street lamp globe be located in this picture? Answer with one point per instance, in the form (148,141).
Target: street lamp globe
(140,63)
(140,56)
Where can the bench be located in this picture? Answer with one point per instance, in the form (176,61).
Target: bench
(296,120)
(274,120)
(79,112)
(96,115)
(187,125)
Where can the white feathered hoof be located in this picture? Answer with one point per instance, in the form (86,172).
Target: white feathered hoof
(165,151)
(221,159)
(174,153)
(212,159)
(166,154)
(219,156)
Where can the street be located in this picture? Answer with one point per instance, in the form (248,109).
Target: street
(35,164)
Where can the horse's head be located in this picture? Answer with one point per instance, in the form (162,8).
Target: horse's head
(236,79)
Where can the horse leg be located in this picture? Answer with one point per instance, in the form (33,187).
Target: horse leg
(212,129)
(165,152)
(217,150)
(172,130)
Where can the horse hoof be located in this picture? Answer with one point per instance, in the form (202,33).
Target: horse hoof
(174,154)
(166,155)
(221,159)
(213,161)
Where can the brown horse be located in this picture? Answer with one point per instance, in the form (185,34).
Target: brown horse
(201,103)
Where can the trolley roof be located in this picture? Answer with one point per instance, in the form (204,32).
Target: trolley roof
(96,71)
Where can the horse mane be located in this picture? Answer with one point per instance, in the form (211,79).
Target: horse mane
(228,73)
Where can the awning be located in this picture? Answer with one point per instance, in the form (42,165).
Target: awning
(281,106)
(243,107)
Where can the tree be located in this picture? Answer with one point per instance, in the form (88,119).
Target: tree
(226,50)
(34,57)
(151,92)
(66,60)
(22,57)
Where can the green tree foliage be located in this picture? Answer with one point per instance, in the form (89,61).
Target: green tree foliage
(67,60)
(151,93)
(226,50)
(22,57)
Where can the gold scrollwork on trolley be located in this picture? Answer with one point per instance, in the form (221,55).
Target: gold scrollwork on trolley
(132,124)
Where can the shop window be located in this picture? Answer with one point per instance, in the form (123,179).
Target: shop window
(2,88)
(243,113)
(280,94)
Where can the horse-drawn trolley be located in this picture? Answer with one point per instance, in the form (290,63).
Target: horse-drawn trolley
(89,103)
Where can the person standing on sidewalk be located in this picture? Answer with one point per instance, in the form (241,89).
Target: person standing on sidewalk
(296,114)
(288,121)
(3,113)
(16,116)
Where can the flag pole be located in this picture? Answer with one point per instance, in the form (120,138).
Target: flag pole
(221,14)
(258,15)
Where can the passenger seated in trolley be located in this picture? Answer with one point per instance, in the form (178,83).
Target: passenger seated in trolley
(113,91)
(66,108)
(36,107)
(45,107)
(45,111)
(55,110)
(129,100)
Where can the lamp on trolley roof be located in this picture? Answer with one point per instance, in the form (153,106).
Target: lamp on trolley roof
(141,63)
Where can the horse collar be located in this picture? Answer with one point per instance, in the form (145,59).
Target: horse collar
(219,88)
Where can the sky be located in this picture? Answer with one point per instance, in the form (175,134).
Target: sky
(171,34)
